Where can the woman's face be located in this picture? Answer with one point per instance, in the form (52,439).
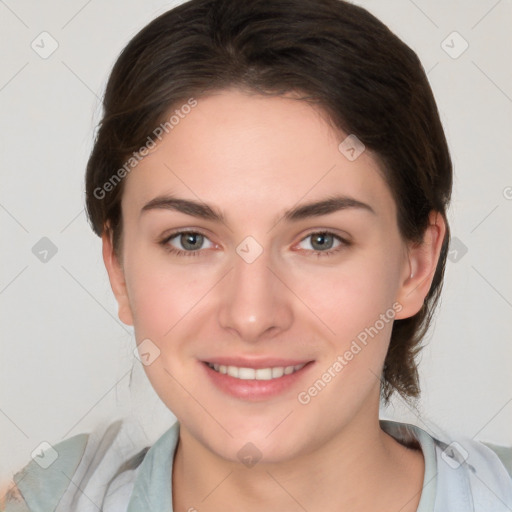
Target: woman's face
(265,280)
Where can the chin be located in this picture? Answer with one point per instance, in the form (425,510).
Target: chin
(270,439)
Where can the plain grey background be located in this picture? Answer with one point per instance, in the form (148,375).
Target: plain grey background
(67,361)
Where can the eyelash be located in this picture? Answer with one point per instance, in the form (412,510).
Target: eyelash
(178,252)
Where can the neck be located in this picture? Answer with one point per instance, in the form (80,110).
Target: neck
(361,468)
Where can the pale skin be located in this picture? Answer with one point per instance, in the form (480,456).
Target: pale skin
(252,158)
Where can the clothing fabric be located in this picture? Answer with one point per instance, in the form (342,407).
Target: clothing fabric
(112,470)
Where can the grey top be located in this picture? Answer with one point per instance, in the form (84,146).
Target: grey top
(112,470)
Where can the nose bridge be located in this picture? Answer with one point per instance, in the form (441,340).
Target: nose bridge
(253,299)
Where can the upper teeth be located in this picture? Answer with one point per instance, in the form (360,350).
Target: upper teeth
(253,374)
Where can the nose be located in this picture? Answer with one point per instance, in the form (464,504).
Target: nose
(255,303)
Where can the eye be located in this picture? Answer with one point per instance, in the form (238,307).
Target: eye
(190,243)
(186,243)
(324,243)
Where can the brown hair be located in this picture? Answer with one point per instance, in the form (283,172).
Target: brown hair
(336,55)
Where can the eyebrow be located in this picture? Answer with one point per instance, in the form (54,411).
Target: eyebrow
(206,212)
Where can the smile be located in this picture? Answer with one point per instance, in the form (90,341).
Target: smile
(275,372)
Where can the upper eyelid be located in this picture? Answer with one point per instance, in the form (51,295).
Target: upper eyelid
(174,234)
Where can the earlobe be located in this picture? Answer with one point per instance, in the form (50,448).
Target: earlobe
(116,278)
(423,258)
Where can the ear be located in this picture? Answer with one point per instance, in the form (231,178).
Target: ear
(419,273)
(116,277)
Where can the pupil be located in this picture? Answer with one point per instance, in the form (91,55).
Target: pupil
(321,238)
(189,240)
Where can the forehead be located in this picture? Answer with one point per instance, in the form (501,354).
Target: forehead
(254,153)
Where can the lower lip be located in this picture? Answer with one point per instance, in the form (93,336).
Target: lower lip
(252,389)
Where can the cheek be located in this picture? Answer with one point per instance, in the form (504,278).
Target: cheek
(349,297)
(161,297)
(167,302)
(354,307)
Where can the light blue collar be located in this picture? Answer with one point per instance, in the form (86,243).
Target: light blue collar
(405,433)
(152,489)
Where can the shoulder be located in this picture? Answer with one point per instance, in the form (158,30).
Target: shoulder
(480,473)
(59,475)
(44,475)
(504,453)
(461,473)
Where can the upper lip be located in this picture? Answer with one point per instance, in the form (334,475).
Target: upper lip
(256,363)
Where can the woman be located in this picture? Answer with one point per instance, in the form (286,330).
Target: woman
(270,180)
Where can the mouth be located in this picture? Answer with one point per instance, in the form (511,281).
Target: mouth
(243,373)
(255,381)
